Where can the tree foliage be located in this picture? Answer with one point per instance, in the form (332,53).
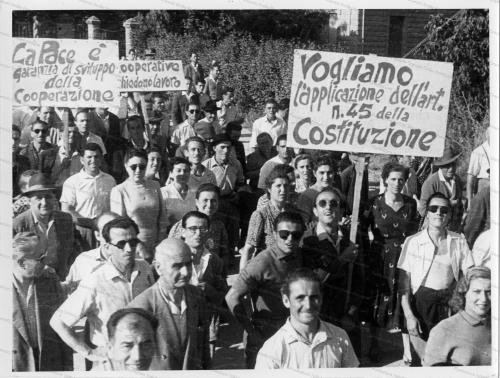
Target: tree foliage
(464,41)
(255,50)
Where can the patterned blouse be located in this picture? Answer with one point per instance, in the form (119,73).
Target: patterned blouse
(261,227)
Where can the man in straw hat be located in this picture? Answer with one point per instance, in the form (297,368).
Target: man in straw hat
(445,181)
(54,228)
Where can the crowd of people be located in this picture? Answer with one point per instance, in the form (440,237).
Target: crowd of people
(125,232)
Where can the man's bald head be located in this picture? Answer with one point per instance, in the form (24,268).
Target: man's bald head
(171,248)
(101,222)
(173,262)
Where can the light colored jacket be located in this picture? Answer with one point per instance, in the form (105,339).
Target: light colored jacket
(418,252)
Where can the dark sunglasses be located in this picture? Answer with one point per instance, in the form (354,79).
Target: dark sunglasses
(121,244)
(284,234)
(38,131)
(442,209)
(332,203)
(193,111)
(133,167)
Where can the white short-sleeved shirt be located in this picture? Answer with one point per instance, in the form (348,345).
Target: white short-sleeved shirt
(480,161)
(481,251)
(417,255)
(102,293)
(286,349)
(84,264)
(89,195)
(263,125)
(183,132)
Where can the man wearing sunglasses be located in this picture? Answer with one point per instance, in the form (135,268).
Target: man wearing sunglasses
(431,263)
(328,251)
(41,154)
(261,279)
(186,129)
(109,288)
(36,295)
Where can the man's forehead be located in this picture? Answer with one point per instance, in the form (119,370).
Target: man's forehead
(191,221)
(90,153)
(120,232)
(287,225)
(326,195)
(324,168)
(438,201)
(304,287)
(133,323)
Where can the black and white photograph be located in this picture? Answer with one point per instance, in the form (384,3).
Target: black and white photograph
(250,187)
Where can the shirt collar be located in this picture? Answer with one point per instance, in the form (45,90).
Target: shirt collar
(322,234)
(292,336)
(167,296)
(87,176)
(472,320)
(36,220)
(441,177)
(111,272)
(278,253)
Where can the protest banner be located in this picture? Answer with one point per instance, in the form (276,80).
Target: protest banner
(368,104)
(151,75)
(65,72)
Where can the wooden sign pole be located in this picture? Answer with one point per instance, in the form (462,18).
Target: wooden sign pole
(360,168)
(65,135)
(145,115)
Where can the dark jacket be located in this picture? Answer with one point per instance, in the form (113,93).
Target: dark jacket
(323,255)
(478,218)
(42,161)
(64,228)
(178,105)
(53,353)
(196,354)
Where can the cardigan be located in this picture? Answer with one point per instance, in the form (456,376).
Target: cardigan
(195,354)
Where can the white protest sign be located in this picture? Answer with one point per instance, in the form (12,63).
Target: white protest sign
(368,104)
(65,72)
(151,75)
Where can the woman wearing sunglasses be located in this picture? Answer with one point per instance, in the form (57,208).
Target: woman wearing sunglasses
(328,253)
(392,217)
(261,227)
(141,200)
(430,265)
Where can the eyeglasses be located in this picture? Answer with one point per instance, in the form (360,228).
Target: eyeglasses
(121,244)
(193,229)
(38,131)
(193,111)
(323,203)
(284,234)
(133,167)
(442,209)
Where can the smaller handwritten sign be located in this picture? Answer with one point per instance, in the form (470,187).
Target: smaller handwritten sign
(151,75)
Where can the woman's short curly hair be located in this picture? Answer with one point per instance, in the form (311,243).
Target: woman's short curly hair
(394,167)
(457,301)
